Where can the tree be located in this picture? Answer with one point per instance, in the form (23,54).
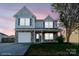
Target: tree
(69,16)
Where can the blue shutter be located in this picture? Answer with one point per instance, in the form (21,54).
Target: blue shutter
(53,24)
(30,21)
(18,21)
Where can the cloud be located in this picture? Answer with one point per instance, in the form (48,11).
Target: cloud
(7,31)
(7,22)
(42,13)
(7,25)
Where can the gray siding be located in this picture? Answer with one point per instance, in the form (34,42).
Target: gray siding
(24,13)
(48,18)
(39,24)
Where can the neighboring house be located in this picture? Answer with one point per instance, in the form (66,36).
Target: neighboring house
(2,36)
(8,39)
(31,30)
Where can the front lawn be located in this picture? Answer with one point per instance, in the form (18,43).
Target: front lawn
(53,49)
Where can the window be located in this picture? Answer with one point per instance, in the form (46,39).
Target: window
(22,22)
(48,24)
(25,21)
(48,36)
(51,36)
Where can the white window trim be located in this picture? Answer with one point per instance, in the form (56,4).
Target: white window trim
(49,36)
(48,24)
(24,21)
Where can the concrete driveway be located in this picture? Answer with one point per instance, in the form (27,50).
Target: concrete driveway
(13,49)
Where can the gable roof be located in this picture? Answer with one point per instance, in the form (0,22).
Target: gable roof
(48,18)
(25,10)
(3,34)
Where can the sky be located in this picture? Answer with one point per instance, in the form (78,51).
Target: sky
(8,10)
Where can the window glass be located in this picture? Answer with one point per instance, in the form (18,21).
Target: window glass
(25,21)
(48,24)
(51,24)
(22,21)
(48,36)
(51,36)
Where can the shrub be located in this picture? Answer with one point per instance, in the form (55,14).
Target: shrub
(60,39)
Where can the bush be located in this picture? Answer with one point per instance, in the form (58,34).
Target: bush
(60,39)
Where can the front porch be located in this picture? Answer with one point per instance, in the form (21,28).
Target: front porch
(44,36)
(36,35)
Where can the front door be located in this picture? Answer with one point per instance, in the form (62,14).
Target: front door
(38,37)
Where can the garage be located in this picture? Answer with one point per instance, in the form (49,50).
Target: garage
(24,37)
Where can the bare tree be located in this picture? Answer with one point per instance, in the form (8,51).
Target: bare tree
(69,15)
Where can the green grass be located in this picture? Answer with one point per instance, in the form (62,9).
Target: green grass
(53,49)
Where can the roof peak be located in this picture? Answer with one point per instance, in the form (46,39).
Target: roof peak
(3,34)
(24,9)
(48,17)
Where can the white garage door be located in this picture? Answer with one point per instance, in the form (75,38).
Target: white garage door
(24,37)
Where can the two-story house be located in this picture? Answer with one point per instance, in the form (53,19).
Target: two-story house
(31,30)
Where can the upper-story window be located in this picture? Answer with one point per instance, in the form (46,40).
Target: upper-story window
(48,24)
(25,21)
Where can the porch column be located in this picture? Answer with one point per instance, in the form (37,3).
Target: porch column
(34,36)
(41,36)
